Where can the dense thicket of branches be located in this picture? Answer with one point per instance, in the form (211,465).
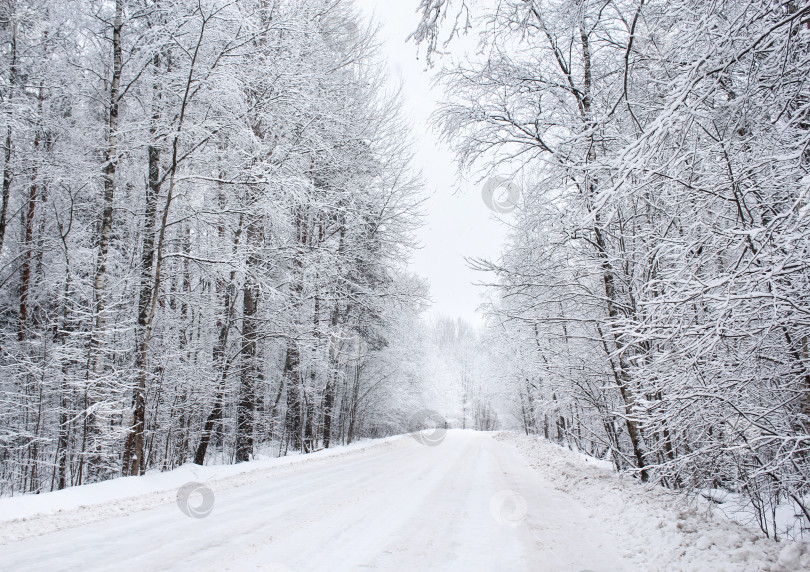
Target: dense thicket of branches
(206,209)
(654,296)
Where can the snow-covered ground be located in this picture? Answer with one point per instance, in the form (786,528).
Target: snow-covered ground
(653,528)
(474,502)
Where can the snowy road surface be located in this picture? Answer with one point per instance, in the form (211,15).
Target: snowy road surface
(470,503)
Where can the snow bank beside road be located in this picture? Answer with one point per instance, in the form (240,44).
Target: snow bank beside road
(30,515)
(658,530)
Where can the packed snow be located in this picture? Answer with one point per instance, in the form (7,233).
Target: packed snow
(473,501)
(653,528)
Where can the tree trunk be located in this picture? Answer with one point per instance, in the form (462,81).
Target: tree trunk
(293,383)
(309,397)
(220,348)
(146,321)
(25,281)
(622,376)
(331,383)
(332,371)
(353,405)
(292,364)
(98,333)
(133,453)
(251,367)
(7,174)
(309,428)
(110,166)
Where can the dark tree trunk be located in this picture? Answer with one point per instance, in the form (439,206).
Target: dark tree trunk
(133,452)
(292,365)
(25,281)
(7,173)
(294,399)
(251,368)
(228,291)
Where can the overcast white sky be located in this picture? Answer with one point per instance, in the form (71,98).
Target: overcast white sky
(458,222)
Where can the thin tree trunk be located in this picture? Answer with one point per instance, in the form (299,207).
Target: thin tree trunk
(133,452)
(331,383)
(25,281)
(292,364)
(247,383)
(7,174)
(309,430)
(109,170)
(291,379)
(142,355)
(353,405)
(251,368)
(220,348)
(98,334)
(622,376)
(332,372)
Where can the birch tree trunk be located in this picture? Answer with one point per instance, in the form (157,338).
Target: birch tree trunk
(110,165)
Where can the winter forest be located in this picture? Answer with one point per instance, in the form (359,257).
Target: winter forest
(209,208)
(206,209)
(652,300)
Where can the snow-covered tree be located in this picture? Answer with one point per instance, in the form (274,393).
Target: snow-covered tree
(658,255)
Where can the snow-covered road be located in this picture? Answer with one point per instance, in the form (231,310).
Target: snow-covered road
(471,503)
